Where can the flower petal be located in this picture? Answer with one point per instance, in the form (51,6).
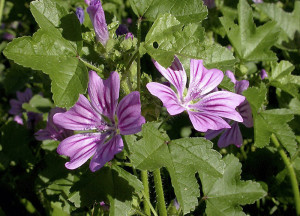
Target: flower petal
(52,130)
(203,121)
(210,134)
(231,135)
(167,96)
(175,74)
(97,17)
(16,107)
(202,80)
(80,148)
(106,152)
(231,76)
(130,120)
(81,116)
(246,113)
(104,94)
(25,96)
(220,103)
(241,86)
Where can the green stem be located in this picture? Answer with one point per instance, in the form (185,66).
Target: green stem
(159,193)
(144,177)
(149,203)
(89,65)
(1,9)
(291,171)
(138,54)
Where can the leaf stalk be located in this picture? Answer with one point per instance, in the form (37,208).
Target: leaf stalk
(291,171)
(159,193)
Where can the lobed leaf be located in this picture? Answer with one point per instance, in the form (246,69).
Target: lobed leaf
(187,11)
(250,43)
(168,37)
(224,195)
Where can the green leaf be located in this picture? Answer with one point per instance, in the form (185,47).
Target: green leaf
(168,37)
(250,43)
(187,11)
(113,185)
(182,158)
(270,121)
(38,104)
(223,196)
(256,97)
(280,77)
(49,50)
(288,22)
(15,140)
(227,84)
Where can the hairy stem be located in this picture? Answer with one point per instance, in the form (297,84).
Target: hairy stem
(144,177)
(138,54)
(89,65)
(291,171)
(159,193)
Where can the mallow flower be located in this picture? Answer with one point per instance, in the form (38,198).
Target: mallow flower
(97,17)
(101,120)
(233,135)
(53,131)
(17,110)
(204,107)
(263,74)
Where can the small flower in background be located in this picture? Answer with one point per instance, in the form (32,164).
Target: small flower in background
(104,206)
(263,74)
(8,36)
(209,3)
(121,30)
(53,131)
(204,108)
(129,35)
(258,1)
(80,14)
(233,135)
(16,104)
(102,119)
(87,2)
(17,110)
(97,17)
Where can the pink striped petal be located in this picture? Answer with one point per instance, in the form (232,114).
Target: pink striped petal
(104,94)
(130,120)
(246,113)
(220,103)
(230,136)
(106,152)
(81,116)
(167,96)
(231,76)
(80,148)
(175,74)
(202,80)
(203,121)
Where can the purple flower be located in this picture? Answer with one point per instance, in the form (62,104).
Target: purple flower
(8,36)
(205,109)
(121,30)
(233,135)
(102,119)
(104,206)
(80,14)
(209,3)
(97,17)
(129,35)
(53,131)
(263,74)
(16,105)
(87,2)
